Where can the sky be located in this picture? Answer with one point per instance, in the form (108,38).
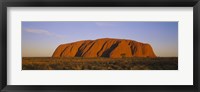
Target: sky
(40,39)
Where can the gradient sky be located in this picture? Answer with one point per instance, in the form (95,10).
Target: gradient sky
(40,39)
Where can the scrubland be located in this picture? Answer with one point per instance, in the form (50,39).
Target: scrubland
(80,63)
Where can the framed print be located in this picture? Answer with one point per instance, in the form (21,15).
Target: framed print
(129,45)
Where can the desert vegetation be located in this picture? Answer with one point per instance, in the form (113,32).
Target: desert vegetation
(100,63)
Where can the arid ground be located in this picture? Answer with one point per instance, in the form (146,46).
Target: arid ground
(80,63)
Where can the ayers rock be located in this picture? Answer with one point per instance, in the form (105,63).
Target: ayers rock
(105,47)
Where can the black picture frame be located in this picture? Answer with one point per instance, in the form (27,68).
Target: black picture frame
(98,3)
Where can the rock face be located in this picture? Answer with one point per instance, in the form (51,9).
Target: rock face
(105,47)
